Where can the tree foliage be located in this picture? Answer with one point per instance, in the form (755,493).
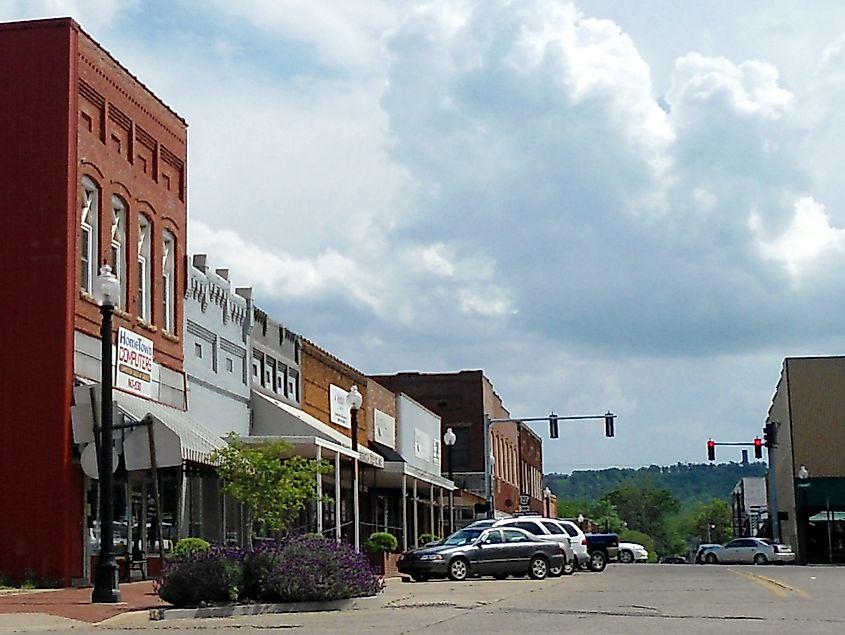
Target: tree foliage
(273,484)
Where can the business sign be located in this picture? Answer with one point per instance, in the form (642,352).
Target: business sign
(134,363)
(422,445)
(338,407)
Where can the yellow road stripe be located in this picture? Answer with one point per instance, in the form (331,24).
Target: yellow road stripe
(777,587)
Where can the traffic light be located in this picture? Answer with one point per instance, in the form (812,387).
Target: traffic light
(770,435)
(553,428)
(608,424)
(711,450)
(758,448)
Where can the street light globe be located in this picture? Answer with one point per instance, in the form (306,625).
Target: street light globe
(547,492)
(354,398)
(106,287)
(803,473)
(450,437)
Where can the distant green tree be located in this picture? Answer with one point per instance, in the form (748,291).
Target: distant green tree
(645,508)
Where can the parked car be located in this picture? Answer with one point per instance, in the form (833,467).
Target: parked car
(602,548)
(673,560)
(578,542)
(498,552)
(702,548)
(544,529)
(630,552)
(749,551)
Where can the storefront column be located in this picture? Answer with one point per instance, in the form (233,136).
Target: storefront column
(441,526)
(404,513)
(319,493)
(431,508)
(416,515)
(356,512)
(337,496)
(183,506)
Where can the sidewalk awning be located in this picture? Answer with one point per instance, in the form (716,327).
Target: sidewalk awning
(275,418)
(394,470)
(177,437)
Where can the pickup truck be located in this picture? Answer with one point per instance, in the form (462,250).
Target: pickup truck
(602,549)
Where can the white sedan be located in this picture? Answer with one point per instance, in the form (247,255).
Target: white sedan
(632,552)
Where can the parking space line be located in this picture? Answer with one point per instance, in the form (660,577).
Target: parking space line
(781,589)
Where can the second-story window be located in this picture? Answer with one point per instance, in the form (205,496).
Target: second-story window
(293,384)
(118,246)
(89,227)
(168,274)
(145,290)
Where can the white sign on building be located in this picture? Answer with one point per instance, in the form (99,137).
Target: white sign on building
(422,445)
(338,407)
(134,363)
(385,432)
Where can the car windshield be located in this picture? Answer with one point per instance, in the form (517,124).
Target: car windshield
(462,537)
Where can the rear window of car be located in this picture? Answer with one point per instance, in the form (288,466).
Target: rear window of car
(552,527)
(569,529)
(531,528)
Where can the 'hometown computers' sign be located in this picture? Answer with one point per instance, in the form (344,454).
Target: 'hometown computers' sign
(134,363)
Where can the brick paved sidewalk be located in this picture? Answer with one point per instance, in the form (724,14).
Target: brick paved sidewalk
(76,603)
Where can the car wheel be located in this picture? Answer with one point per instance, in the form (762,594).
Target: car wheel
(626,556)
(570,567)
(598,561)
(539,568)
(420,577)
(555,572)
(458,570)
(760,558)
(501,576)
(711,558)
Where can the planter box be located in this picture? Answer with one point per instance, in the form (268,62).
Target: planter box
(384,564)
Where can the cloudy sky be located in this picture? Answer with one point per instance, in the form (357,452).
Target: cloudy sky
(606,205)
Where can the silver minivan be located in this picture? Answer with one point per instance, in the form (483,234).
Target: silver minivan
(545,529)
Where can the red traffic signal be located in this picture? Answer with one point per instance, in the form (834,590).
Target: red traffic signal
(758,448)
(711,450)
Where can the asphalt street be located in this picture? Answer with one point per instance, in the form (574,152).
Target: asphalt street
(632,599)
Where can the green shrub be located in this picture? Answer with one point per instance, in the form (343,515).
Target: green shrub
(190,546)
(426,538)
(202,577)
(381,541)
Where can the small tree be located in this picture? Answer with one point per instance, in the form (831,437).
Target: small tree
(272,484)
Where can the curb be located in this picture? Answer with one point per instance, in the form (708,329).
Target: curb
(262,609)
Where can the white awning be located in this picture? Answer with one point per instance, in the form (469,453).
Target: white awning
(180,435)
(177,437)
(396,467)
(275,418)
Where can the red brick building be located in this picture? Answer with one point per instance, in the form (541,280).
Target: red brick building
(462,400)
(94,167)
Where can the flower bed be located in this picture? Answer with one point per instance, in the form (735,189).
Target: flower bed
(299,569)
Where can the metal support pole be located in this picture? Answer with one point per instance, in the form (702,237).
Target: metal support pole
(337,496)
(431,508)
(404,513)
(355,510)
(416,515)
(488,476)
(451,511)
(319,493)
(106,584)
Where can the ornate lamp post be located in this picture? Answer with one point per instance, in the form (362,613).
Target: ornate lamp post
(354,400)
(106,586)
(449,439)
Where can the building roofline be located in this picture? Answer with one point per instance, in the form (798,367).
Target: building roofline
(43,23)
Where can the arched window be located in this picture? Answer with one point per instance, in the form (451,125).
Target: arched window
(118,246)
(90,225)
(168,272)
(145,263)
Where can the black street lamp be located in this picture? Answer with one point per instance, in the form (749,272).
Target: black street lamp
(449,438)
(354,400)
(106,585)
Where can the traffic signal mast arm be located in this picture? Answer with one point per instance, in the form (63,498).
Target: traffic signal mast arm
(757,444)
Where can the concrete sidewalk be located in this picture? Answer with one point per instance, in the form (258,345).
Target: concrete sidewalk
(37,610)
